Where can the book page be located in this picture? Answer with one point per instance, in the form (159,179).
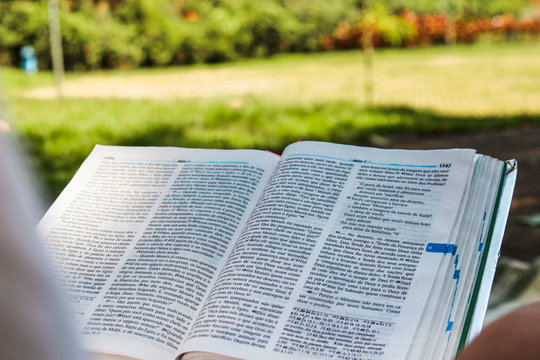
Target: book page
(339,256)
(139,235)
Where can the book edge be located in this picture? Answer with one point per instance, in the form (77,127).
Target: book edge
(480,295)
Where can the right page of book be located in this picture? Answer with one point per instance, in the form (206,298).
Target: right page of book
(339,256)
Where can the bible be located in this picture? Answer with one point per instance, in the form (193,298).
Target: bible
(326,252)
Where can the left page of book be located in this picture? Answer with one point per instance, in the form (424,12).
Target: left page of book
(139,235)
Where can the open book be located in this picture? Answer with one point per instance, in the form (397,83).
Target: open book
(327,252)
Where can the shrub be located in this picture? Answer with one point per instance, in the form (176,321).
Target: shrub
(89,42)
(117,45)
(267,28)
(93,42)
(213,37)
(24,23)
(429,28)
(387,30)
(129,33)
(391,29)
(154,24)
(317,18)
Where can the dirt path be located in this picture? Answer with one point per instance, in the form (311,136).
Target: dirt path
(466,81)
(521,241)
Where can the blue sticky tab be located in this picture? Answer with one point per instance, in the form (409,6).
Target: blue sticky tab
(441,248)
(449,326)
(456,274)
(456,261)
(436,248)
(480,246)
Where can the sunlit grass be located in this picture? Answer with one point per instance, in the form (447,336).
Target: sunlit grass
(270,103)
(462,80)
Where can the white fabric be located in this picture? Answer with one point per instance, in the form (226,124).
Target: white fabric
(33,324)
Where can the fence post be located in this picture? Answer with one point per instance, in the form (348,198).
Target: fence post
(56,46)
(367,49)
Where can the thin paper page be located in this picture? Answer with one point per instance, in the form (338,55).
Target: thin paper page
(440,296)
(355,246)
(140,234)
(410,205)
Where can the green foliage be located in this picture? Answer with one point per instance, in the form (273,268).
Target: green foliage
(89,42)
(117,45)
(211,38)
(419,6)
(270,27)
(24,23)
(159,32)
(317,18)
(130,33)
(92,43)
(458,7)
(393,29)
(497,7)
(229,29)
(155,26)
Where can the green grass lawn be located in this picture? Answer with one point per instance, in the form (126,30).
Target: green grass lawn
(270,103)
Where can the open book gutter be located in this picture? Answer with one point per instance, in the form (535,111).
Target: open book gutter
(329,252)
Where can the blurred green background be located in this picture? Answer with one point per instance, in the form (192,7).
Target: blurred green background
(262,74)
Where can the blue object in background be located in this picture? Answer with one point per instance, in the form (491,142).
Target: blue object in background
(29,61)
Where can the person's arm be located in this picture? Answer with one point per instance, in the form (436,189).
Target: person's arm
(33,323)
(513,336)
